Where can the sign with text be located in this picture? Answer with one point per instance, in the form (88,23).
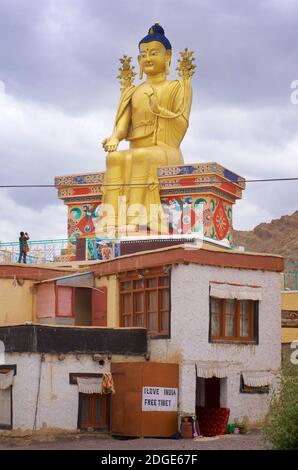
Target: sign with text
(159,399)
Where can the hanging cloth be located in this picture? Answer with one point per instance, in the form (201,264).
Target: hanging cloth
(257,378)
(206,370)
(229,291)
(90,384)
(108,384)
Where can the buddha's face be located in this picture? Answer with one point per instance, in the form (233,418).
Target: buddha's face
(153,58)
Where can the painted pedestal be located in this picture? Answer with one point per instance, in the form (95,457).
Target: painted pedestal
(180,186)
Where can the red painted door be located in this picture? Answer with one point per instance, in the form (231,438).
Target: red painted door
(99,306)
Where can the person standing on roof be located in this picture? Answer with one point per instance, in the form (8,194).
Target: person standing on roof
(24,248)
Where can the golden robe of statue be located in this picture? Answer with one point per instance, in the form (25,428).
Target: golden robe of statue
(153,117)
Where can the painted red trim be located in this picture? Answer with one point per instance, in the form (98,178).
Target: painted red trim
(32,272)
(180,255)
(177,255)
(81,191)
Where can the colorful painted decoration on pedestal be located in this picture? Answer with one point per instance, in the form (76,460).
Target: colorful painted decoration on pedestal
(180,214)
(82,220)
(183,190)
(220,220)
(208,215)
(173,208)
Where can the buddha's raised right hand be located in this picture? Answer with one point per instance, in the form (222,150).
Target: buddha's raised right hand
(110,144)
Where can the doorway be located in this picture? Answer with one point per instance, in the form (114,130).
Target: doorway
(212,392)
(90,306)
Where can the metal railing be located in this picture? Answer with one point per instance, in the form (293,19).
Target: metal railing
(59,250)
(40,251)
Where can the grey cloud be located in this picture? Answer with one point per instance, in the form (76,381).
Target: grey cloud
(66,52)
(59,60)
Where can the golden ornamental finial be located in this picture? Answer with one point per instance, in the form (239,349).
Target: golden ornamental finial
(186,67)
(127,74)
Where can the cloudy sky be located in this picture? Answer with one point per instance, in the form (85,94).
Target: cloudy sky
(58,95)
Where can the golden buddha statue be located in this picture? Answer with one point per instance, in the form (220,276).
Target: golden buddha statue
(153,117)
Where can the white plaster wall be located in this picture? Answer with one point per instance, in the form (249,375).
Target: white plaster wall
(187,388)
(254,406)
(58,400)
(190,329)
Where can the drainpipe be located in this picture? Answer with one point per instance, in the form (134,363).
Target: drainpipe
(42,358)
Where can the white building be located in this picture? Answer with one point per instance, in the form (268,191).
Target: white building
(53,377)
(211,313)
(223,317)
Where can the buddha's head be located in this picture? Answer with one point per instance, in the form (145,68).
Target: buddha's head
(155,52)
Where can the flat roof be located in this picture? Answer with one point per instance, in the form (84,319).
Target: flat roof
(34,272)
(208,254)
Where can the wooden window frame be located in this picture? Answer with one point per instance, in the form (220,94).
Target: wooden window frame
(132,291)
(73,380)
(57,287)
(107,406)
(252,337)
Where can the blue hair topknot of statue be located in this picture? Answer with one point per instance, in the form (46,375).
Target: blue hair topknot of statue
(156,33)
(156,28)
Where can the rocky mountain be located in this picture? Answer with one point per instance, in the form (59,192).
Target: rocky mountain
(280,237)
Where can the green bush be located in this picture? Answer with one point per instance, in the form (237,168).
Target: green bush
(281,425)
